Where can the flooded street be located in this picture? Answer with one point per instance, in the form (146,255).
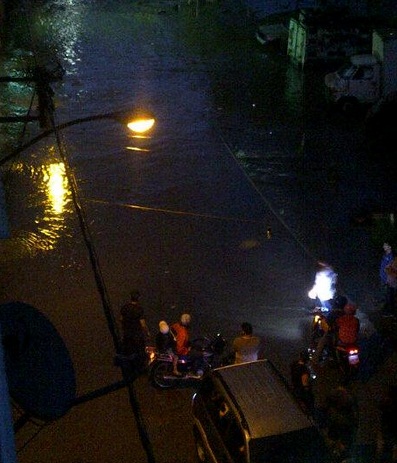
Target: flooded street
(246,180)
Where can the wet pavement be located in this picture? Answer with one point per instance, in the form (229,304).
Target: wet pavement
(245,183)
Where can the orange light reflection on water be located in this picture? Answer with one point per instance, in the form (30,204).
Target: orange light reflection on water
(56,184)
(44,204)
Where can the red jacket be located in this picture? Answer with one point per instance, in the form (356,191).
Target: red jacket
(348,327)
(181,334)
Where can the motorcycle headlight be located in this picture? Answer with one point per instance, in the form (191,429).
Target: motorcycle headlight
(151,353)
(312,294)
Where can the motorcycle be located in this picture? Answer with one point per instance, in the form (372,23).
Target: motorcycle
(348,357)
(161,364)
(319,328)
(319,325)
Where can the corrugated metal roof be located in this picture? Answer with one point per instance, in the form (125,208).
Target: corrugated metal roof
(263,398)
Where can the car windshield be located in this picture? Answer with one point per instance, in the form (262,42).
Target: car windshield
(303,446)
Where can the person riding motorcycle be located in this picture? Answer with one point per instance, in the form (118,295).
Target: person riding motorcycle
(165,344)
(181,331)
(337,310)
(347,326)
(328,325)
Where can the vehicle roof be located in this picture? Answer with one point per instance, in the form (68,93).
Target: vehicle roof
(263,399)
(273,28)
(362,60)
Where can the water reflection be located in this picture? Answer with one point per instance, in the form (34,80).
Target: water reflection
(53,189)
(56,183)
(46,198)
(135,148)
(67,23)
(56,28)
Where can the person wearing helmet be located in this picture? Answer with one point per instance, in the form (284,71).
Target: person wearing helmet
(348,326)
(165,344)
(336,312)
(181,332)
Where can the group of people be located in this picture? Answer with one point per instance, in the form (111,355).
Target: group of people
(341,328)
(339,323)
(339,415)
(324,288)
(174,339)
(343,325)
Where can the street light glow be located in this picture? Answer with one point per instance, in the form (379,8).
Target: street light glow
(57,186)
(141,125)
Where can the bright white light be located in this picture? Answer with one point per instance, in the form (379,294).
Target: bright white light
(324,285)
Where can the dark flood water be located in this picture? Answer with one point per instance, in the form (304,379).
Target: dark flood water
(247,180)
(225,109)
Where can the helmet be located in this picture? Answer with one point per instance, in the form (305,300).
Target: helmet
(163,327)
(350,309)
(185,319)
(340,302)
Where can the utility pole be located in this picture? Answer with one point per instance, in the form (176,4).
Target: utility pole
(45,96)
(42,79)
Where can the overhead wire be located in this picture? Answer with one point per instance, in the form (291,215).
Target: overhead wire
(265,200)
(176,212)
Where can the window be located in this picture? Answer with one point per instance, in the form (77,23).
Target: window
(364,73)
(224,420)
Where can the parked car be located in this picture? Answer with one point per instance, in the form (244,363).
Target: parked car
(246,413)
